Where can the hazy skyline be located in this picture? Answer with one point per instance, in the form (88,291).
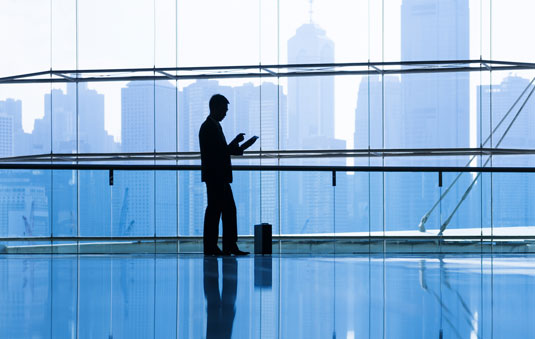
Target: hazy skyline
(355,27)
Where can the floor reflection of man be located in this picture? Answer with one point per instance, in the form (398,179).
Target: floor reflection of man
(220,309)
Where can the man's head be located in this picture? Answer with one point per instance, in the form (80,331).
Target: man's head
(218,107)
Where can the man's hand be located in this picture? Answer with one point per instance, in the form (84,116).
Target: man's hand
(239,138)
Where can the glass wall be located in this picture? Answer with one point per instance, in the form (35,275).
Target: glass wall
(488,109)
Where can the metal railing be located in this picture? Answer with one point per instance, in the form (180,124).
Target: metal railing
(265,71)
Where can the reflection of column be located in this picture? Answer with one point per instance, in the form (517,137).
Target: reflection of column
(267,306)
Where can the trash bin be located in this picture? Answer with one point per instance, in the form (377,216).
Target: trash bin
(262,238)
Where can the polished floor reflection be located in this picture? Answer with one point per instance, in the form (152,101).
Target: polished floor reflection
(283,296)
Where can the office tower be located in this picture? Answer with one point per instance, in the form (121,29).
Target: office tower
(272,107)
(512,192)
(13,109)
(75,119)
(24,196)
(372,115)
(435,112)
(6,135)
(310,99)
(310,120)
(144,103)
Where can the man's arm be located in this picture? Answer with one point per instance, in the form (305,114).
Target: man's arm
(248,143)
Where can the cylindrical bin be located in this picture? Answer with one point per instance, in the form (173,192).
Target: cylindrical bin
(262,238)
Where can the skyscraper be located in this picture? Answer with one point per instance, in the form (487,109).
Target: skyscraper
(435,110)
(144,104)
(310,99)
(75,126)
(24,195)
(512,192)
(371,109)
(75,119)
(12,109)
(6,135)
(310,120)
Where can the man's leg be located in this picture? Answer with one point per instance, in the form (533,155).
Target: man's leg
(213,300)
(230,225)
(211,217)
(228,297)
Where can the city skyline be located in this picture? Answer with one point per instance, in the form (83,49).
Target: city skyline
(297,113)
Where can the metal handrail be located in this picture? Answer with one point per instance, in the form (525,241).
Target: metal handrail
(270,154)
(272,168)
(424,237)
(270,70)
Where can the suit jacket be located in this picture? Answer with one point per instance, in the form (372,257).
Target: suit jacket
(215,153)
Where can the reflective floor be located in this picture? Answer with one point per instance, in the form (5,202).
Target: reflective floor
(283,296)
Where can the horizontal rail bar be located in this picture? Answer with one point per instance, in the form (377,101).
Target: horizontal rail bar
(279,168)
(294,65)
(314,69)
(316,153)
(276,236)
(260,75)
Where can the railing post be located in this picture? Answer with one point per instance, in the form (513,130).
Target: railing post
(334,178)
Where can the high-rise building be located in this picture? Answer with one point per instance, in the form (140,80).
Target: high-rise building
(144,104)
(512,192)
(271,110)
(372,116)
(310,120)
(6,135)
(21,140)
(24,195)
(435,111)
(75,120)
(310,99)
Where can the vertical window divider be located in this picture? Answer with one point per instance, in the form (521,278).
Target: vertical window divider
(76,140)
(51,144)
(154,117)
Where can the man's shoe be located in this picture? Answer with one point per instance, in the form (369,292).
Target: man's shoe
(215,251)
(236,251)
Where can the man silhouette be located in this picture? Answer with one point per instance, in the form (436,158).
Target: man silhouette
(216,172)
(220,308)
